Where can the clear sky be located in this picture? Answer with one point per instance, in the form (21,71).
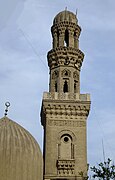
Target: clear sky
(25,39)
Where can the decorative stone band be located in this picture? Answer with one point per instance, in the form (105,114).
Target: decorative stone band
(66,25)
(65,167)
(66,123)
(66,51)
(57,57)
(66,96)
(72,114)
(73,110)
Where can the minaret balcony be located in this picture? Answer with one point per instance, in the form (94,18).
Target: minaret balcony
(64,56)
(65,167)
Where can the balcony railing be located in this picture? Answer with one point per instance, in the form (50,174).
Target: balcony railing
(65,167)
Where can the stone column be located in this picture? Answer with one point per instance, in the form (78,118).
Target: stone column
(55,40)
(71,39)
(76,41)
(61,39)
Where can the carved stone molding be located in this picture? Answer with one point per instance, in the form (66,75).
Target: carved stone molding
(66,123)
(66,73)
(76,75)
(66,25)
(66,96)
(55,74)
(66,51)
(57,57)
(73,111)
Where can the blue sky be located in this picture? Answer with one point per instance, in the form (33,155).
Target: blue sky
(25,39)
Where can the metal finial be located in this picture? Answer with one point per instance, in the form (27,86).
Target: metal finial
(7,104)
(65,13)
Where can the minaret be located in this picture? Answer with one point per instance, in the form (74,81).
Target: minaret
(64,110)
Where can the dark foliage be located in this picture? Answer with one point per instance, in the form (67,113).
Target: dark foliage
(104,171)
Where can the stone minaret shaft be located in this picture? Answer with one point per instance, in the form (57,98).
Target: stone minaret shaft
(64,110)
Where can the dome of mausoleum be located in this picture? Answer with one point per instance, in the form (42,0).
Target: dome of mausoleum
(20,154)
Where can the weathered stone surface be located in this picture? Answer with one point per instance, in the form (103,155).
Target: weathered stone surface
(64,110)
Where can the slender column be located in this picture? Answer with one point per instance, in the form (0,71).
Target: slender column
(55,40)
(71,39)
(76,42)
(61,39)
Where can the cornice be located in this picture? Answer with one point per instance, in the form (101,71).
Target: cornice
(66,24)
(66,51)
(76,109)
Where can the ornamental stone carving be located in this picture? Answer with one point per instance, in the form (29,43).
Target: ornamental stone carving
(76,75)
(65,167)
(66,123)
(66,73)
(55,74)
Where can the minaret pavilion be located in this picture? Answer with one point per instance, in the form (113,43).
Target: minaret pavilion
(64,110)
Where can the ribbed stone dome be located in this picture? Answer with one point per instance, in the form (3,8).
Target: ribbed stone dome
(20,155)
(65,16)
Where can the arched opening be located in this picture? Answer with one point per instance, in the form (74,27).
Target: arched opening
(66,38)
(65,87)
(75,86)
(57,38)
(55,86)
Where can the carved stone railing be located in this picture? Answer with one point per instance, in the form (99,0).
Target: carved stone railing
(65,167)
(66,96)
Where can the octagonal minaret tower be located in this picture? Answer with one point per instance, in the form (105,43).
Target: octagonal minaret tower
(64,110)
(65,58)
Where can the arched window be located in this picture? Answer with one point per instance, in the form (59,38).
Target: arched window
(66,39)
(55,86)
(65,148)
(65,87)
(66,145)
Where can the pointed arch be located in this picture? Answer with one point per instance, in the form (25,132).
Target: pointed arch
(55,86)
(65,86)
(55,74)
(66,38)
(66,73)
